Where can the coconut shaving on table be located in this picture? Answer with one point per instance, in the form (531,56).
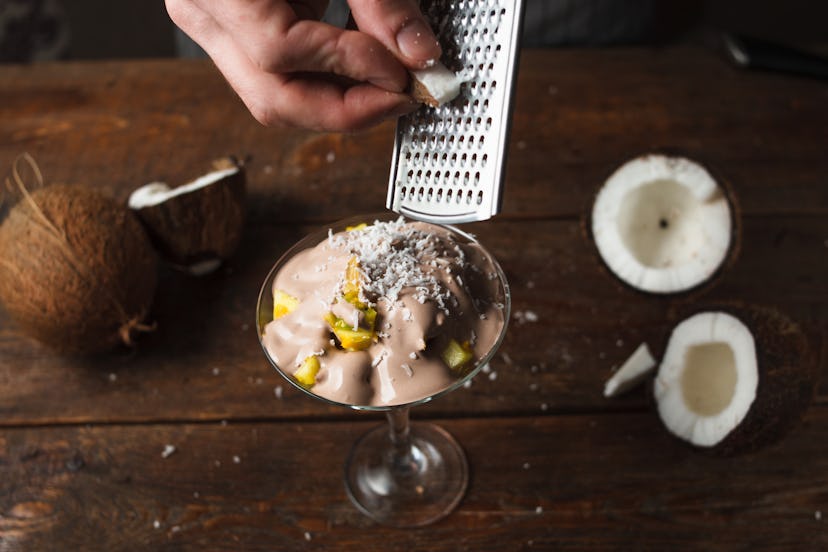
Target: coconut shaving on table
(385,313)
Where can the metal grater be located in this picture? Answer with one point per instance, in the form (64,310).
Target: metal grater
(448,164)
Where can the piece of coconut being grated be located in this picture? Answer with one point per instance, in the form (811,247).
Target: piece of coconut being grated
(435,85)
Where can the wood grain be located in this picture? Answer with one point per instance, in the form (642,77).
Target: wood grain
(81,438)
(586,482)
(204,361)
(579,114)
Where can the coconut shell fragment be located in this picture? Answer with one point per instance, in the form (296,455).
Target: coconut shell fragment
(198,225)
(735,379)
(788,375)
(77,271)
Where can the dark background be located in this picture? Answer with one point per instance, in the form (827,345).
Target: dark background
(138,28)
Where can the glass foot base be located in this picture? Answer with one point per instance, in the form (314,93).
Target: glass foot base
(402,486)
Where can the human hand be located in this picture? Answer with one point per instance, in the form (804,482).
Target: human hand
(290,68)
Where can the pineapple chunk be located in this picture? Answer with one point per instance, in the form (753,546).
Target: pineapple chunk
(350,289)
(351,339)
(359,226)
(306,374)
(457,355)
(283,304)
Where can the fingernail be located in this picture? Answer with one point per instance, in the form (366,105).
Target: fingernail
(416,41)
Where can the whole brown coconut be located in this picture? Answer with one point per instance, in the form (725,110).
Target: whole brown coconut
(77,271)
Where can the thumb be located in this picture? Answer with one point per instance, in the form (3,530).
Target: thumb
(399,26)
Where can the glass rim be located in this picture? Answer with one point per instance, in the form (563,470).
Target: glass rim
(314,238)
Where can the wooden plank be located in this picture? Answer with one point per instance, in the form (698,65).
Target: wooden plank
(578,115)
(596,482)
(204,361)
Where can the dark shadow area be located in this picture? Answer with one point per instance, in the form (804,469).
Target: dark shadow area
(101,29)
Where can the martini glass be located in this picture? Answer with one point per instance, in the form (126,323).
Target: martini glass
(400,474)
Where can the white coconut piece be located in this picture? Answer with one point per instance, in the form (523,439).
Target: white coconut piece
(156,193)
(202,268)
(631,373)
(708,378)
(436,85)
(662,224)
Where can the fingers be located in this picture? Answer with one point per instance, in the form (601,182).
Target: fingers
(308,102)
(272,76)
(326,106)
(399,26)
(277,41)
(297,100)
(313,46)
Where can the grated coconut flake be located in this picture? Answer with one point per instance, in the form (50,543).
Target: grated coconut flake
(391,256)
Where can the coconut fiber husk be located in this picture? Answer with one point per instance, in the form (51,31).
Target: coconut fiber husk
(77,271)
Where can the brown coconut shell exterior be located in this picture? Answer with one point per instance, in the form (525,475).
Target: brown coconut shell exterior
(78,275)
(788,377)
(203,225)
(421,94)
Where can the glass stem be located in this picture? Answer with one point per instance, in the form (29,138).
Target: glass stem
(401,457)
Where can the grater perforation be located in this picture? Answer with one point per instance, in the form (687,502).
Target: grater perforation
(448,162)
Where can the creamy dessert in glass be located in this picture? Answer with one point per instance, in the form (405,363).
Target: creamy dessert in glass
(378,313)
(384,313)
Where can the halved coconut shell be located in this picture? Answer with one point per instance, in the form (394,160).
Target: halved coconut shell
(735,379)
(198,225)
(662,224)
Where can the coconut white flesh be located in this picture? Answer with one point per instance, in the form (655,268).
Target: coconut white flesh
(707,380)
(631,373)
(662,224)
(441,83)
(203,268)
(156,193)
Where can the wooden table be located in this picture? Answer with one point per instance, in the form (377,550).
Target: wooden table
(554,464)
